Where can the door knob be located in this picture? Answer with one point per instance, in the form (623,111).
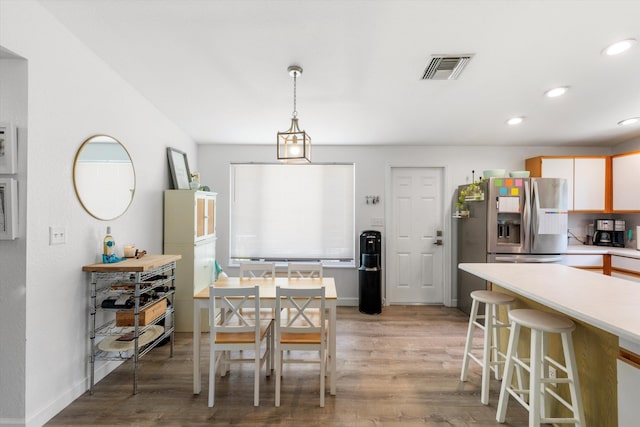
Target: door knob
(438,242)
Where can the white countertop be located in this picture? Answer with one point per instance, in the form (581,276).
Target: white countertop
(606,302)
(595,250)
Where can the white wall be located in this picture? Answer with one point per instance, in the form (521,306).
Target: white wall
(372,163)
(13,265)
(631,145)
(72,95)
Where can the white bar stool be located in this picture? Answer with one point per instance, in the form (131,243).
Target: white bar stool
(491,354)
(541,324)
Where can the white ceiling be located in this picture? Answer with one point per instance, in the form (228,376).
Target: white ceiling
(219,68)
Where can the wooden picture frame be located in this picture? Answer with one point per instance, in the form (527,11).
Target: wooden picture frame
(179,166)
(8,149)
(8,208)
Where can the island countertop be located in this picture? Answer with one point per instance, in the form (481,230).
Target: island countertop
(608,303)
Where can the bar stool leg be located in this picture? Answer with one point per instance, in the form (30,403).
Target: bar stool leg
(534,377)
(486,353)
(574,383)
(496,342)
(545,403)
(503,400)
(468,345)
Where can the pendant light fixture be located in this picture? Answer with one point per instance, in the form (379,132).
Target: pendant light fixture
(294,145)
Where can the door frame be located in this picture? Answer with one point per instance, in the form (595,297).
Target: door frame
(446,226)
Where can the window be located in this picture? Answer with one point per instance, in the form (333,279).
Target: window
(285,212)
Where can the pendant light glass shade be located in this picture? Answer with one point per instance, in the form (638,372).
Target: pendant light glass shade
(294,145)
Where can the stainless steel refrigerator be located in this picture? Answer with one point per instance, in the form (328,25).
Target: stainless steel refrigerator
(516,220)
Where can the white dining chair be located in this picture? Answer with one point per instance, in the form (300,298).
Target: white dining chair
(233,331)
(301,270)
(301,331)
(304,269)
(257,269)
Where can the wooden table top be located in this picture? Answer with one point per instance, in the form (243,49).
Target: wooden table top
(146,263)
(268,286)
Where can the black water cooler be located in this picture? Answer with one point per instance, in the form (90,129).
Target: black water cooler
(369,273)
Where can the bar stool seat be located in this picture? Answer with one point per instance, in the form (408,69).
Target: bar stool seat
(492,358)
(541,325)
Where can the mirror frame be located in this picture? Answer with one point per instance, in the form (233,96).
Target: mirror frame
(96,215)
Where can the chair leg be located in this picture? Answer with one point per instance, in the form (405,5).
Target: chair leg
(278,375)
(467,347)
(256,376)
(323,368)
(212,375)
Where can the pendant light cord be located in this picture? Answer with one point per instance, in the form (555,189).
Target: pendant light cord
(295,112)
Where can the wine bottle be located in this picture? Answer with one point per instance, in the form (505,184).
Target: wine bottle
(109,243)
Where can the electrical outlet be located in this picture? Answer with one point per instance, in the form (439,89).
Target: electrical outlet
(57,236)
(553,375)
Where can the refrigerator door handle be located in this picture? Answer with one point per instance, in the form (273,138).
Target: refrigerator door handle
(526,218)
(528,259)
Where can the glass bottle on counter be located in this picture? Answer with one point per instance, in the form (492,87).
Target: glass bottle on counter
(109,244)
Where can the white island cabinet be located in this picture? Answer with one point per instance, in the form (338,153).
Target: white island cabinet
(190,230)
(607,334)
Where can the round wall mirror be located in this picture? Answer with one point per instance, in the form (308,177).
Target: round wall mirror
(103,177)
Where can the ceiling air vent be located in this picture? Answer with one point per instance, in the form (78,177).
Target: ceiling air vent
(445,67)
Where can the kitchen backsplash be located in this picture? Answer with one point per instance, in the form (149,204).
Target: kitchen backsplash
(578,223)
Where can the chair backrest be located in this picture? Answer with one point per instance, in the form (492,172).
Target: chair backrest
(304,316)
(230,302)
(258,269)
(304,269)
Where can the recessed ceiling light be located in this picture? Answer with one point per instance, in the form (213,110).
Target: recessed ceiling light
(619,47)
(515,120)
(556,91)
(629,121)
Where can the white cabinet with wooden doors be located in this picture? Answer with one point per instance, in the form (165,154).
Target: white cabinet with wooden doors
(586,179)
(626,176)
(189,230)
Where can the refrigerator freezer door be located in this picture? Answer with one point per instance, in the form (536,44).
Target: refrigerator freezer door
(549,215)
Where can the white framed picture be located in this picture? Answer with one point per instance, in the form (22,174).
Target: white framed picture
(8,209)
(8,149)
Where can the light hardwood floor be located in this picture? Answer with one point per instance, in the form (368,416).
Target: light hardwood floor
(400,368)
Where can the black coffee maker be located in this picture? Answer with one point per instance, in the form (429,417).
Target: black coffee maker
(619,227)
(604,232)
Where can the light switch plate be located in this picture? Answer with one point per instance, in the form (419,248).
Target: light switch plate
(57,236)
(377,222)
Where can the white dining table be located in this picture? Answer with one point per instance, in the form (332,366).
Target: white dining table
(267,300)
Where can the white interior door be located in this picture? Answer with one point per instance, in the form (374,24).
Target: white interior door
(415,235)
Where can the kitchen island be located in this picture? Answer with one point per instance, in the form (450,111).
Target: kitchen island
(607,335)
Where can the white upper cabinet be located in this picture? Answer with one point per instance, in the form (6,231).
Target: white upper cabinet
(626,176)
(589,191)
(560,168)
(586,178)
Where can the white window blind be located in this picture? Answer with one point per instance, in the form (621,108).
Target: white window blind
(292,212)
